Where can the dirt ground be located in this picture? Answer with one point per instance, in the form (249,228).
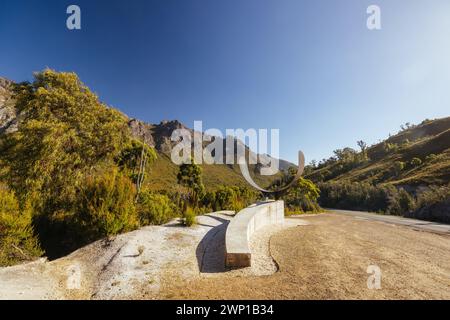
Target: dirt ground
(134,265)
(322,256)
(328,259)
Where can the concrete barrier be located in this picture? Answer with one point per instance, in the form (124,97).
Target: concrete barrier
(244,224)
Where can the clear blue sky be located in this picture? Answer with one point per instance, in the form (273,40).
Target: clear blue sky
(310,68)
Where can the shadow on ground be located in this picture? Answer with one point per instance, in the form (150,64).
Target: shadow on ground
(210,251)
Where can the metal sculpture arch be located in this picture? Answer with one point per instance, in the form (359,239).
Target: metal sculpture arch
(244,170)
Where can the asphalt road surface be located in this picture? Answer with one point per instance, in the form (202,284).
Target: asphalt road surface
(412,223)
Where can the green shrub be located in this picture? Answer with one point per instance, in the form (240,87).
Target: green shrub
(302,197)
(399,166)
(431,157)
(154,208)
(17,240)
(209,201)
(390,147)
(190,176)
(433,204)
(129,159)
(66,133)
(229,198)
(189,217)
(400,202)
(363,196)
(225,199)
(406,202)
(415,162)
(106,205)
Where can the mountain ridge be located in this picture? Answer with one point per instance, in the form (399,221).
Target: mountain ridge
(418,155)
(158,136)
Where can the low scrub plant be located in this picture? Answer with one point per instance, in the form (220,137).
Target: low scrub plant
(18,242)
(154,208)
(189,217)
(106,206)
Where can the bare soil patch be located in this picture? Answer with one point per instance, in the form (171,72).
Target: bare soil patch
(309,257)
(328,259)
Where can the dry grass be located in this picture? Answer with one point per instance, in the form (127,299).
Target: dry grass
(432,137)
(163,176)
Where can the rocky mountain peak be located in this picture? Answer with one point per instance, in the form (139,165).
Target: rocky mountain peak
(8,116)
(172,124)
(156,135)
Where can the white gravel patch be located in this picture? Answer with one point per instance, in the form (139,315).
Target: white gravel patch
(262,261)
(27,281)
(137,264)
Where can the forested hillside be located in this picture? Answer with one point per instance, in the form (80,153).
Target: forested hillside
(406,174)
(74,170)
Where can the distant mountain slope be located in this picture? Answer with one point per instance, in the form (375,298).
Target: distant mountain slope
(164,171)
(395,160)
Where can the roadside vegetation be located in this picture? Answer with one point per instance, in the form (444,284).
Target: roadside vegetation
(70,166)
(17,239)
(408,174)
(73,173)
(301,198)
(430,204)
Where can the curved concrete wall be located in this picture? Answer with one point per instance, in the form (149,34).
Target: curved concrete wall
(244,224)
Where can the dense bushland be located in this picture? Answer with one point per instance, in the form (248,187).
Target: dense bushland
(194,198)
(155,208)
(432,204)
(301,197)
(406,174)
(364,196)
(229,198)
(17,240)
(73,173)
(106,205)
(71,164)
(418,155)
